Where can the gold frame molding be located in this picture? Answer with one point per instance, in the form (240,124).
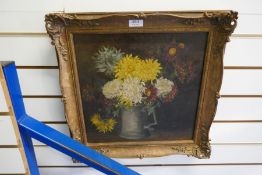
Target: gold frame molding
(219,24)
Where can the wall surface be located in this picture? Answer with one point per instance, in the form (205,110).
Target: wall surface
(235,134)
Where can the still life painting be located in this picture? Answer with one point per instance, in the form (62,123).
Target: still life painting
(140,86)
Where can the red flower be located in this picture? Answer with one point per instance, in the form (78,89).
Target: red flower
(151,94)
(185,71)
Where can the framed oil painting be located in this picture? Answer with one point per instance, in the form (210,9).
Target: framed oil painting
(141,84)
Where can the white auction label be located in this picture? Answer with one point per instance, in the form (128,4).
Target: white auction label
(136,23)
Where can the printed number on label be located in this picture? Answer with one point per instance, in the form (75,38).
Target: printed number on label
(136,23)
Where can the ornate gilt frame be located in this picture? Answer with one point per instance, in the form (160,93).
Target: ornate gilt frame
(219,25)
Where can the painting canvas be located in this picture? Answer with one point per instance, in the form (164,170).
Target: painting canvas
(139,87)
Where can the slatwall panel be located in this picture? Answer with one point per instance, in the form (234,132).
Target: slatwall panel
(235,139)
(222,154)
(46,82)
(33,22)
(11,161)
(236,132)
(243,51)
(33,50)
(7,133)
(165,5)
(167,170)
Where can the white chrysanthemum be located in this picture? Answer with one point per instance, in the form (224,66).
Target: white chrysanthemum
(164,86)
(112,88)
(132,90)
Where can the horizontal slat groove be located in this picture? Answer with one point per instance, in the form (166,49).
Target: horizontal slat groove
(234,144)
(55,122)
(218,164)
(241,96)
(237,121)
(37,67)
(23,34)
(40,146)
(4,114)
(45,34)
(42,96)
(246,35)
(8,146)
(242,67)
(13,174)
(149,165)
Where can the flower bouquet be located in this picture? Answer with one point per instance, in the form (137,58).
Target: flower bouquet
(136,88)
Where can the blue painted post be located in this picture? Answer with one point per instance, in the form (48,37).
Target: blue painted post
(12,82)
(30,127)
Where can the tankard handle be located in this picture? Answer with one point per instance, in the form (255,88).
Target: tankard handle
(149,126)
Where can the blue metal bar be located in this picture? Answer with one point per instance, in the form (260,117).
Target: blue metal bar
(29,151)
(14,89)
(73,148)
(30,127)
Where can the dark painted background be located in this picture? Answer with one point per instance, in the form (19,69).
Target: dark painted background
(176,120)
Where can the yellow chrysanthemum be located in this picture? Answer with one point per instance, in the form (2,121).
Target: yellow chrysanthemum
(149,70)
(103,125)
(95,119)
(130,66)
(111,124)
(127,67)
